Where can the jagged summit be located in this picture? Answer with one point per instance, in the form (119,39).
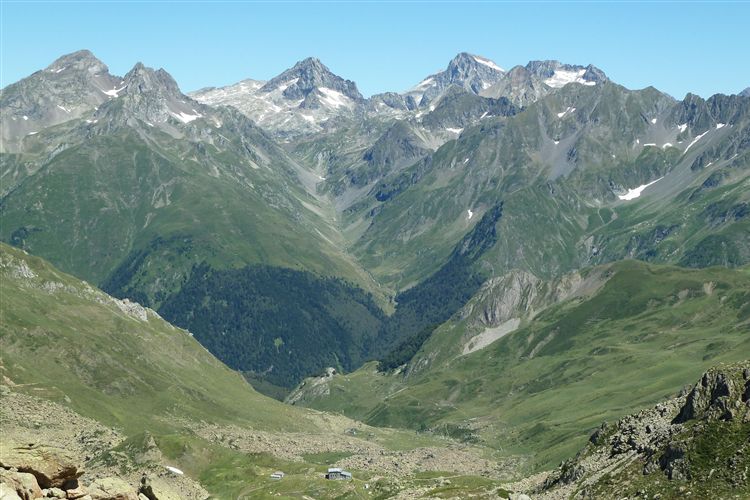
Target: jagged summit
(151,96)
(746,92)
(307,76)
(473,73)
(556,74)
(144,79)
(464,62)
(73,85)
(302,99)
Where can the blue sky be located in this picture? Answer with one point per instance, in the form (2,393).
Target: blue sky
(677,47)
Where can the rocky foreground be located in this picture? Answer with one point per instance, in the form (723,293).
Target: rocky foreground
(696,445)
(49,451)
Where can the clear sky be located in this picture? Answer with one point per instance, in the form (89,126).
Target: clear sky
(677,47)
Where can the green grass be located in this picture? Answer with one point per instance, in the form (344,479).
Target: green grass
(541,390)
(715,459)
(108,363)
(63,340)
(326,457)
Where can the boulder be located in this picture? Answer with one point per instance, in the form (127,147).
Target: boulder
(52,467)
(112,488)
(24,484)
(710,398)
(8,492)
(77,492)
(55,493)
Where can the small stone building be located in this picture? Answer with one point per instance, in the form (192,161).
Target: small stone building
(336,473)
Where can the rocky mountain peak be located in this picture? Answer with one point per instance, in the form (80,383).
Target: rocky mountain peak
(308,75)
(153,96)
(473,73)
(142,79)
(72,86)
(556,74)
(746,92)
(594,74)
(464,63)
(82,60)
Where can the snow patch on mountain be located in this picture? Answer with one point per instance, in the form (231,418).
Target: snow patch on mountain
(186,117)
(695,140)
(114,92)
(636,192)
(333,98)
(563,77)
(488,63)
(425,83)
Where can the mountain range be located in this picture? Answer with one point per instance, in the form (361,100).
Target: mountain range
(445,267)
(401,205)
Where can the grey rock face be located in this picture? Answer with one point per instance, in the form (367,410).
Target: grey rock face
(471,72)
(548,69)
(520,86)
(304,99)
(68,88)
(153,96)
(397,147)
(392,100)
(746,92)
(307,76)
(660,441)
(712,398)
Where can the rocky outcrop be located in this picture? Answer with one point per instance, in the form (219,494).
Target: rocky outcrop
(52,467)
(503,302)
(694,442)
(22,484)
(111,488)
(114,465)
(718,396)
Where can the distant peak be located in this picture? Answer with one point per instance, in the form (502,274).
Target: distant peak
(466,60)
(309,61)
(462,56)
(746,92)
(144,79)
(80,60)
(311,66)
(307,75)
(556,74)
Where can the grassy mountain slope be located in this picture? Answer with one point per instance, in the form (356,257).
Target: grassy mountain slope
(539,390)
(559,166)
(123,218)
(128,394)
(283,325)
(116,361)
